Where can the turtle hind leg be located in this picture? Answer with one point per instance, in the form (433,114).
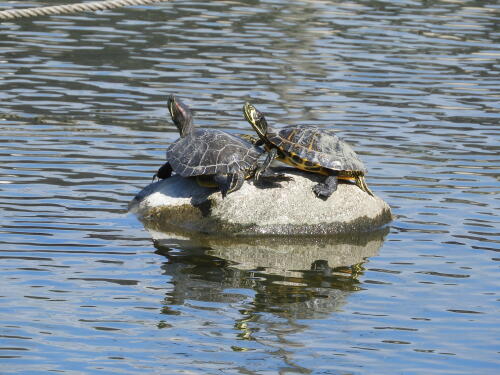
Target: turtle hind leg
(229,183)
(165,171)
(326,188)
(361,183)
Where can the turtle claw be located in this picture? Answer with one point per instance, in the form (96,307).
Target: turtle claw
(322,191)
(229,183)
(269,179)
(223,193)
(257,175)
(271,175)
(282,177)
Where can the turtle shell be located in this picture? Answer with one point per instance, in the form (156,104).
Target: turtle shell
(310,145)
(211,151)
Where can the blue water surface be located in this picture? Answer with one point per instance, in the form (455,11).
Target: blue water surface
(413,86)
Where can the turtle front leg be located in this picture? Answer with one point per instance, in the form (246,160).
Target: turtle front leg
(271,155)
(326,188)
(229,182)
(165,171)
(271,176)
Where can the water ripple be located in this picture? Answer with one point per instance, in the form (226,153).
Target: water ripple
(413,86)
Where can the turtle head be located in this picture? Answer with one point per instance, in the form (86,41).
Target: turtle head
(181,115)
(256,119)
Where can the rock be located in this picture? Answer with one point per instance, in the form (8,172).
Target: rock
(288,207)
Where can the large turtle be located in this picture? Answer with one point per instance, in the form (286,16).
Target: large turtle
(310,149)
(215,157)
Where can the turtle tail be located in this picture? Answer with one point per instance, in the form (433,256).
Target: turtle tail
(361,183)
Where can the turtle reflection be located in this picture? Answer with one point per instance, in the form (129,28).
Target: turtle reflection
(298,277)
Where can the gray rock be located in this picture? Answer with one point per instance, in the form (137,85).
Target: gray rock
(288,207)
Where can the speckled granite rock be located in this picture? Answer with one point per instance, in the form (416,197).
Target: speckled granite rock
(288,207)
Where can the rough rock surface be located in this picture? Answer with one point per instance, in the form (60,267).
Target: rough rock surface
(288,207)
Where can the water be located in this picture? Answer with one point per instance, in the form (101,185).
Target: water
(413,86)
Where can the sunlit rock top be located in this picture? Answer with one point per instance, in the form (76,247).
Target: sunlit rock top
(288,207)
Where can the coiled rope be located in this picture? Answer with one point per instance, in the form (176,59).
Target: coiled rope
(72,8)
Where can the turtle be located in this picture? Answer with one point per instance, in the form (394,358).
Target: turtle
(310,149)
(215,157)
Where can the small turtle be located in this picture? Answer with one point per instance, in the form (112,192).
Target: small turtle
(216,158)
(310,149)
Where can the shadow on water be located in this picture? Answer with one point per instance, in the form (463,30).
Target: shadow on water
(294,277)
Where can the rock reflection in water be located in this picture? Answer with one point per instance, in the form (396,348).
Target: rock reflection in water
(292,276)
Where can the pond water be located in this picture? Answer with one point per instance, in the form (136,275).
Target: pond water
(413,86)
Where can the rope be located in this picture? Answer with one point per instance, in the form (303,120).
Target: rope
(71,8)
